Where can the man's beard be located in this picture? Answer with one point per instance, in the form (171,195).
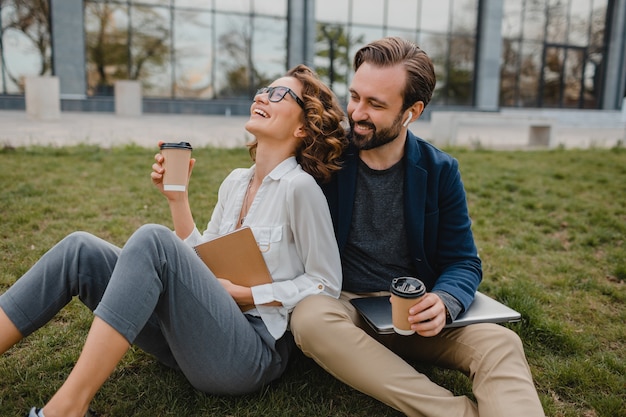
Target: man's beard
(377,137)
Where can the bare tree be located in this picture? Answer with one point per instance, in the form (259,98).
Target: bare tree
(334,44)
(114,52)
(31,19)
(242,75)
(107,48)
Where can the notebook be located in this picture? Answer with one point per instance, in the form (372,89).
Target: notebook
(376,311)
(236,256)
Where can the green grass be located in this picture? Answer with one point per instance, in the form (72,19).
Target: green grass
(550,227)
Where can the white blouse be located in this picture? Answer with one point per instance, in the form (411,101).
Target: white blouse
(290,220)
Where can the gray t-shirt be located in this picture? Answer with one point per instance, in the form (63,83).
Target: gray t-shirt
(377,250)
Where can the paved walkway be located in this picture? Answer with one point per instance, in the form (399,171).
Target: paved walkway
(107,130)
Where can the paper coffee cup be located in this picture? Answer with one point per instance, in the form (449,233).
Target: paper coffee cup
(405,291)
(176,158)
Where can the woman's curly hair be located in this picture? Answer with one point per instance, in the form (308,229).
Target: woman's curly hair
(320,150)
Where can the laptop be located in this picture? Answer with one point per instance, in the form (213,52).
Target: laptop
(376,311)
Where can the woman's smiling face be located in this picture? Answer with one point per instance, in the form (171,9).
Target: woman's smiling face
(276,118)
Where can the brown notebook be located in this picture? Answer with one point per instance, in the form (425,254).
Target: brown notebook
(235,256)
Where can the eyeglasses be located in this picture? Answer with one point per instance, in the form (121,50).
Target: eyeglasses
(276,94)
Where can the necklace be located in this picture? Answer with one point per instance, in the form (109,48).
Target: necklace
(245,207)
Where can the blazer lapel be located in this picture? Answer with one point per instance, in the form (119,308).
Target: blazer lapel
(346,188)
(415,186)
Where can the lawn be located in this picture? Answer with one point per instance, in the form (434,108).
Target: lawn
(550,227)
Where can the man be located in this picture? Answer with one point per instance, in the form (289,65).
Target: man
(399,209)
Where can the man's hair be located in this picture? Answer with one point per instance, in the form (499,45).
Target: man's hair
(391,51)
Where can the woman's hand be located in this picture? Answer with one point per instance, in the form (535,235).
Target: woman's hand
(157,177)
(242,295)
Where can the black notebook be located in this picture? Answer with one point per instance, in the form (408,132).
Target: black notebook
(376,311)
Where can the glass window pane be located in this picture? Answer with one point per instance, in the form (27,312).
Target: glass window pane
(335,11)
(242,6)
(361,36)
(509,73)
(464,17)
(579,30)
(269,50)
(591,83)
(193,42)
(557,23)
(461,70)
(22,57)
(194,4)
(534,20)
(334,40)
(402,14)
(580,13)
(573,75)
(512,19)
(151,2)
(328,38)
(234,55)
(405,34)
(358,37)
(598,22)
(106,42)
(552,72)
(530,68)
(373,14)
(436,46)
(435,16)
(273,8)
(150,49)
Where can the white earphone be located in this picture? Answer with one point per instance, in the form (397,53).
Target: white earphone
(408,120)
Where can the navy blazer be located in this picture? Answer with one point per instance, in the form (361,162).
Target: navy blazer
(438,225)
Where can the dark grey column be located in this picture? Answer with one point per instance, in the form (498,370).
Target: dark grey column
(489,55)
(300,32)
(616,58)
(68,47)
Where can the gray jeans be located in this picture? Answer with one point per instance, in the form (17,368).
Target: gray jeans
(160,296)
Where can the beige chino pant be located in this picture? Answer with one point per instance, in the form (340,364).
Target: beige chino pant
(332,333)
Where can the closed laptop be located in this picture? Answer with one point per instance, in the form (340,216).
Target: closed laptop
(376,311)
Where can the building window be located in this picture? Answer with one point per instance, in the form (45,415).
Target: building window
(24,44)
(198,49)
(553,53)
(446,30)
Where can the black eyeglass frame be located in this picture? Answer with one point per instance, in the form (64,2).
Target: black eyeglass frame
(281,92)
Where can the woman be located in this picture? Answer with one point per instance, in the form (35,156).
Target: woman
(159,295)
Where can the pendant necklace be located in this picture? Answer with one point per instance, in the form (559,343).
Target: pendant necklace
(245,207)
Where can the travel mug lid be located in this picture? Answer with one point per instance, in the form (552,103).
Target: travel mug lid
(179,145)
(407,287)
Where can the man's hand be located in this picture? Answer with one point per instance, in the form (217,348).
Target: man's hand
(428,316)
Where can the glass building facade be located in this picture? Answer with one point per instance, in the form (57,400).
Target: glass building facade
(445,29)
(185,48)
(548,53)
(553,53)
